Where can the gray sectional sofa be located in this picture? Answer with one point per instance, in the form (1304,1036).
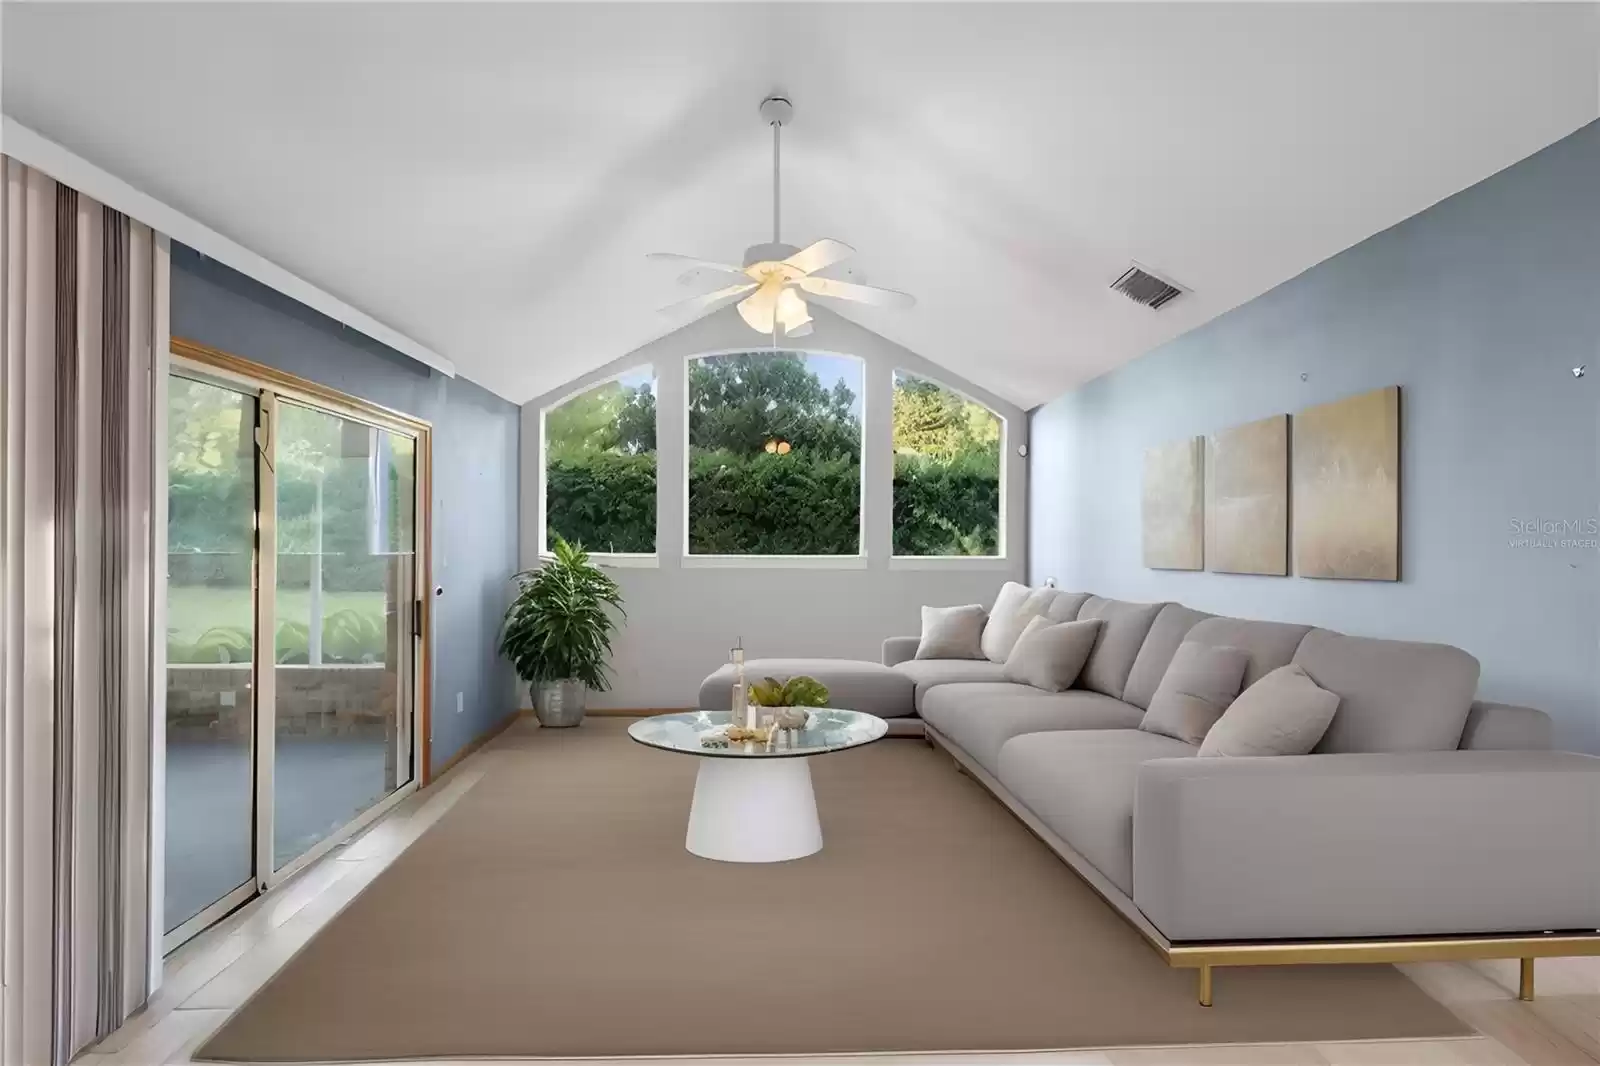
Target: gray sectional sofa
(1426,825)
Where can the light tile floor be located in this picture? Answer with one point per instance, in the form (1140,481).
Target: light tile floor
(213,974)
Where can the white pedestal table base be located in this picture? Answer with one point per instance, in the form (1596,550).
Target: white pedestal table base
(754,810)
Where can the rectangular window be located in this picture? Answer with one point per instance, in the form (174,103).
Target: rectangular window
(946,471)
(600,467)
(775,454)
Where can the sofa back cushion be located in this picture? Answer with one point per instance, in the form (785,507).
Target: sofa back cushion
(1121,636)
(1200,684)
(1268,644)
(1395,695)
(1285,713)
(1066,606)
(1169,630)
(952,632)
(1014,608)
(1050,655)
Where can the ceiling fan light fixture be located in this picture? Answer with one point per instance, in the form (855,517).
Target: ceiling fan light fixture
(777,271)
(791,311)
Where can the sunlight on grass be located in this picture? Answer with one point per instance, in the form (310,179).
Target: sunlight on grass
(192,611)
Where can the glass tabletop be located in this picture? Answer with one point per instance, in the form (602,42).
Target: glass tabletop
(828,729)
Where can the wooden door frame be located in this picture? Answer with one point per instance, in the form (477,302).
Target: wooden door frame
(294,387)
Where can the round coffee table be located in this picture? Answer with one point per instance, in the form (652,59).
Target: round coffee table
(753,802)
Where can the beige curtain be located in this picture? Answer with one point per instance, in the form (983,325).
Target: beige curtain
(82,303)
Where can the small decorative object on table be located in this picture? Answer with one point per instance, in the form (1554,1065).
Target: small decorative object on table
(741,713)
(791,718)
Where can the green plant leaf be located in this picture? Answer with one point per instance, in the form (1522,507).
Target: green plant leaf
(559,625)
(804,691)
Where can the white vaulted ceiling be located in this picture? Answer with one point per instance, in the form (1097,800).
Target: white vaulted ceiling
(487,178)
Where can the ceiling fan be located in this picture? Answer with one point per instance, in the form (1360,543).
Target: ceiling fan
(775,275)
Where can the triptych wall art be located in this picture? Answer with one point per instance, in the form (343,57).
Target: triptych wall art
(1222,502)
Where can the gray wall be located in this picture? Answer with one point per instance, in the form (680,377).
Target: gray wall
(683,618)
(474,460)
(1478,308)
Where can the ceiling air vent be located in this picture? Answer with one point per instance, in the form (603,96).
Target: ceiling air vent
(1143,287)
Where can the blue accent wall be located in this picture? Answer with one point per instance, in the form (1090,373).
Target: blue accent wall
(1479,307)
(475,449)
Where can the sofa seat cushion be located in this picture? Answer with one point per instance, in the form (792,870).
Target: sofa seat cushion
(1080,783)
(927,673)
(853,684)
(1394,695)
(980,717)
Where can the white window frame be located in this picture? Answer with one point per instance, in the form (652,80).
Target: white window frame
(691,561)
(625,560)
(998,561)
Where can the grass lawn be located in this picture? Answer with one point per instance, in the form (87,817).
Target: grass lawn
(193,610)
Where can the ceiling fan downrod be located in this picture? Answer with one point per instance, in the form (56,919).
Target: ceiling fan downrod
(777,110)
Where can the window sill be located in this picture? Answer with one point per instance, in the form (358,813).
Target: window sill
(775,562)
(617,560)
(949,562)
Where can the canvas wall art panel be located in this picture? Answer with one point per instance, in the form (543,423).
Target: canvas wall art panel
(1347,488)
(1247,498)
(1172,516)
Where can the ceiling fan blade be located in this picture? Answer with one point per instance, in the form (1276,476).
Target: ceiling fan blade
(861,294)
(689,260)
(710,301)
(760,309)
(823,253)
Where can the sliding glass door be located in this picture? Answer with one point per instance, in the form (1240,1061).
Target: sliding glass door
(291,512)
(346,594)
(211,532)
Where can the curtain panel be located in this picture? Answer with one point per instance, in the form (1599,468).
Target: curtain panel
(82,305)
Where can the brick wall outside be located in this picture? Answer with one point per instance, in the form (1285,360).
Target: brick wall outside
(214,701)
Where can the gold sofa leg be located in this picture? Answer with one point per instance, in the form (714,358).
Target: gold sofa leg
(1205,985)
(1525,985)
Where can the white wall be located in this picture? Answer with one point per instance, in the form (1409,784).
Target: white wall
(682,620)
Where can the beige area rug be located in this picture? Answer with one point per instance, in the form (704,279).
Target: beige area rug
(554,912)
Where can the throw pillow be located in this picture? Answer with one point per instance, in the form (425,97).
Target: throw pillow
(1050,655)
(1006,621)
(1285,713)
(952,632)
(1200,683)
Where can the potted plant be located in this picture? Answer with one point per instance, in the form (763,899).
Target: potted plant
(558,632)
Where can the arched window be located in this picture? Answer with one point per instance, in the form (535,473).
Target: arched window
(600,466)
(947,471)
(774,454)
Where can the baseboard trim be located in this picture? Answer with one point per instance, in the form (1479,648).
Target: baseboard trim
(622,712)
(472,747)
